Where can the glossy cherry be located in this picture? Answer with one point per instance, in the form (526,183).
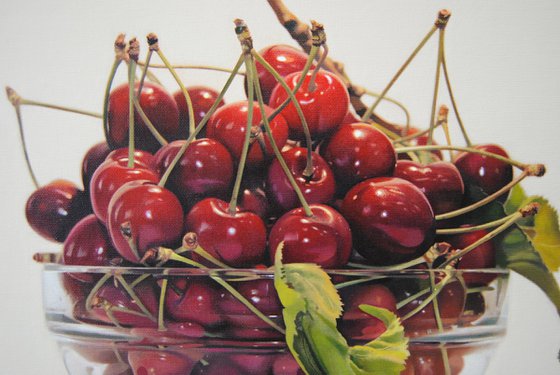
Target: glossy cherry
(202,98)
(358,325)
(159,362)
(228,125)
(109,177)
(488,173)
(324,108)
(145,214)
(357,152)
(239,240)
(318,188)
(428,360)
(440,181)
(53,209)
(253,196)
(204,170)
(284,59)
(88,244)
(391,220)
(323,238)
(158,105)
(93,158)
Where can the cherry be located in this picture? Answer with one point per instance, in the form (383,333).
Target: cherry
(253,196)
(421,140)
(440,181)
(284,59)
(324,108)
(475,306)
(428,360)
(113,298)
(228,125)
(74,289)
(94,157)
(357,152)
(323,238)
(191,300)
(318,188)
(483,256)
(141,157)
(202,99)
(109,177)
(350,118)
(159,362)
(488,173)
(285,364)
(391,220)
(159,107)
(88,244)
(205,169)
(143,215)
(53,209)
(174,333)
(358,325)
(237,239)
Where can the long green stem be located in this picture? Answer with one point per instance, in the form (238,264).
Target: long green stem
(151,127)
(161,307)
(202,123)
(131,96)
(95,289)
(106,97)
(24,147)
(134,297)
(435,291)
(144,73)
(395,102)
(436,87)
(474,228)
(60,108)
(190,66)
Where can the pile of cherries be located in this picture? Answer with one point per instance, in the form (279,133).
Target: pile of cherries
(365,203)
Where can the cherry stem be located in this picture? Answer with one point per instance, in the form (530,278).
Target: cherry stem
(163,291)
(277,152)
(443,121)
(144,72)
(202,123)
(206,255)
(528,210)
(95,289)
(312,86)
(157,135)
(371,108)
(395,102)
(308,171)
(437,314)
(22,101)
(106,97)
(436,88)
(246,142)
(131,95)
(474,228)
(435,290)
(138,280)
(133,295)
(188,66)
(414,136)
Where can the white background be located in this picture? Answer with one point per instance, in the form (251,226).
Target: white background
(504,61)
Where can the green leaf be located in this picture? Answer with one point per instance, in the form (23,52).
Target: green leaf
(311,307)
(515,200)
(546,239)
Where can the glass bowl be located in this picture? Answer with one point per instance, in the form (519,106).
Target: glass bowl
(108,320)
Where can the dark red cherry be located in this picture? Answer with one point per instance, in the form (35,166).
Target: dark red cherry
(475,306)
(88,244)
(391,220)
(253,196)
(323,238)
(204,170)
(357,152)
(53,209)
(109,177)
(159,362)
(440,181)
(488,173)
(284,59)
(93,158)
(158,105)
(228,125)
(146,215)
(285,364)
(483,256)
(350,118)
(238,239)
(318,188)
(123,309)
(191,300)
(358,325)
(74,289)
(421,140)
(324,108)
(202,98)
(141,157)
(428,360)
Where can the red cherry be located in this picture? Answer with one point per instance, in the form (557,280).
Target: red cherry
(228,125)
(109,177)
(324,108)
(202,99)
(358,325)
(146,214)
(357,152)
(94,157)
(74,289)
(191,300)
(159,107)
(483,256)
(159,362)
(421,140)
(475,306)
(319,188)
(488,173)
(428,360)
(88,244)
(253,196)
(441,182)
(323,238)
(141,157)
(284,59)
(204,170)
(391,220)
(239,240)
(350,118)
(285,364)
(53,209)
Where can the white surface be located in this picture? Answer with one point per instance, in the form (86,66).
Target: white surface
(504,61)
